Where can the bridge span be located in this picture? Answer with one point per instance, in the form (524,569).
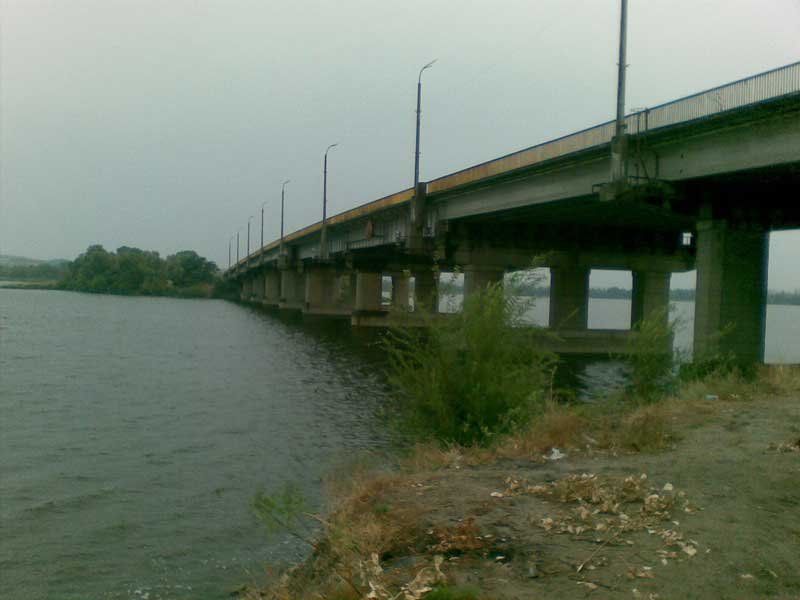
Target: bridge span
(707,177)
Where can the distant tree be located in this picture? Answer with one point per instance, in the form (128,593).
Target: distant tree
(187,268)
(135,271)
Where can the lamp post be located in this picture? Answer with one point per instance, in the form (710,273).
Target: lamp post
(419,112)
(618,145)
(262,225)
(230,239)
(323,251)
(283,196)
(237,248)
(248,238)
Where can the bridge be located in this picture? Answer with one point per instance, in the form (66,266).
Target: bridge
(706,178)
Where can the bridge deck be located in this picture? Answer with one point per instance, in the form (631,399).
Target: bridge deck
(768,86)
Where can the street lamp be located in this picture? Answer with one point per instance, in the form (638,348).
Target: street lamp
(324,235)
(248,238)
(237,248)
(283,195)
(230,239)
(618,149)
(262,225)
(419,112)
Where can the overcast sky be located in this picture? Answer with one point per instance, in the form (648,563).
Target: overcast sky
(165,124)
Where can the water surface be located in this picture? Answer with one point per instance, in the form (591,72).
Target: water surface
(134,433)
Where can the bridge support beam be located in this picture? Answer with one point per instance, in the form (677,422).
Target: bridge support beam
(400,291)
(426,290)
(477,277)
(650,296)
(569,298)
(368,291)
(731,296)
(272,287)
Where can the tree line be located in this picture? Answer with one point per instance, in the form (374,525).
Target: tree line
(140,272)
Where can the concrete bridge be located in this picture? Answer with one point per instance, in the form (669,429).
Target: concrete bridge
(707,177)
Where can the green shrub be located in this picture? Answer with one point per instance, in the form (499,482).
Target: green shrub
(452,593)
(651,359)
(471,375)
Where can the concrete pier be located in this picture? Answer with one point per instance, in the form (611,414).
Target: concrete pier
(650,296)
(569,298)
(292,290)
(258,288)
(272,287)
(401,289)
(731,297)
(477,277)
(246,290)
(368,291)
(426,290)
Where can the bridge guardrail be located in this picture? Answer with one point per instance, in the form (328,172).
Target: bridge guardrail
(769,85)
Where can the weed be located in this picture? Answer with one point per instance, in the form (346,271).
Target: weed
(472,376)
(452,593)
(650,358)
(644,430)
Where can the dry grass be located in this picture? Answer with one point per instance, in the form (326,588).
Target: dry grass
(559,427)
(781,379)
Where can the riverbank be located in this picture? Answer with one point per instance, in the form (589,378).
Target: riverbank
(694,496)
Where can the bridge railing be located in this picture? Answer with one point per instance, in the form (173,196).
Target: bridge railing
(765,86)
(750,90)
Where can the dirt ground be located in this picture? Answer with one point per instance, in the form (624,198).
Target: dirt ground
(715,516)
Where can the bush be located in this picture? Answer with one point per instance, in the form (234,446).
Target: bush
(471,375)
(452,593)
(651,359)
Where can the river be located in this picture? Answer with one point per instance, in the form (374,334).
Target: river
(134,433)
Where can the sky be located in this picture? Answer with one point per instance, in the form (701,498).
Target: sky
(165,125)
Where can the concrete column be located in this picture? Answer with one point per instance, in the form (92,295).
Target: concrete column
(477,277)
(650,296)
(426,290)
(346,290)
(368,291)
(731,297)
(258,287)
(400,291)
(247,289)
(292,289)
(320,295)
(569,298)
(272,287)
